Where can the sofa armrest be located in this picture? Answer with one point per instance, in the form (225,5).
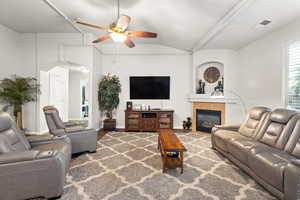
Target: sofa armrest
(44,140)
(38,138)
(229,127)
(58,132)
(74,129)
(42,174)
(292,180)
(72,124)
(13,157)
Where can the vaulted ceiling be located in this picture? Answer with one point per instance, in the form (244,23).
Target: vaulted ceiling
(183,24)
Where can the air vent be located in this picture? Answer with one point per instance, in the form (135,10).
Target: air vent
(265,22)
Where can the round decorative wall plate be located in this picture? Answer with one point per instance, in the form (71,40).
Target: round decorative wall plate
(211,74)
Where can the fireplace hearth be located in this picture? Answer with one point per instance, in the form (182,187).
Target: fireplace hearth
(206,119)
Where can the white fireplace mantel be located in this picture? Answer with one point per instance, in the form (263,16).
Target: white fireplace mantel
(211,99)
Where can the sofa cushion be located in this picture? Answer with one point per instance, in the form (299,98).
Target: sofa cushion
(53,120)
(269,164)
(14,138)
(253,121)
(240,148)
(282,116)
(257,113)
(221,138)
(279,128)
(272,133)
(293,144)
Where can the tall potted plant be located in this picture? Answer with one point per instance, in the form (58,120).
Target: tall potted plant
(109,89)
(18,91)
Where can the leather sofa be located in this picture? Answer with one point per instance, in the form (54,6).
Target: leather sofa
(267,147)
(82,139)
(31,168)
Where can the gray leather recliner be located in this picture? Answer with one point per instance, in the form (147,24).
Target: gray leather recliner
(31,168)
(267,147)
(82,139)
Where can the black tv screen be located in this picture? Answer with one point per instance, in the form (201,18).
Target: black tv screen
(150,87)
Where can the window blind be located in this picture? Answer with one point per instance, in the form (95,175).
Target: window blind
(293,96)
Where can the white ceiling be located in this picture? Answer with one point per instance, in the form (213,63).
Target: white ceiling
(180,23)
(243,29)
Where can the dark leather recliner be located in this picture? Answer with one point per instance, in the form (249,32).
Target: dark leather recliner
(267,147)
(82,139)
(31,168)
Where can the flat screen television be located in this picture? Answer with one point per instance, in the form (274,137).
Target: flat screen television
(149,87)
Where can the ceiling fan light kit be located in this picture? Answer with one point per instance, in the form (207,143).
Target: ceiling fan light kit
(118,37)
(118,30)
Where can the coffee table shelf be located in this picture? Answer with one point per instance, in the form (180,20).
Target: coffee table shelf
(169,142)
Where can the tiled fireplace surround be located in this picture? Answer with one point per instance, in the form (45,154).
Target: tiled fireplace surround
(214,106)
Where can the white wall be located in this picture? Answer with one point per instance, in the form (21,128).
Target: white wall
(97,74)
(9,52)
(151,60)
(75,98)
(263,64)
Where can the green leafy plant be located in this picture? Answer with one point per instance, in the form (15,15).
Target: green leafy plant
(16,92)
(109,89)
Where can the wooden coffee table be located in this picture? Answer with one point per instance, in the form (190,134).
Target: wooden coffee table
(169,142)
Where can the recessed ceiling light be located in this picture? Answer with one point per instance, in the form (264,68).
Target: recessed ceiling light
(263,24)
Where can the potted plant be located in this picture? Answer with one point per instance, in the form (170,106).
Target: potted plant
(18,91)
(109,89)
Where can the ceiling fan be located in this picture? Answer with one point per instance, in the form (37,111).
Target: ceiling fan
(118,31)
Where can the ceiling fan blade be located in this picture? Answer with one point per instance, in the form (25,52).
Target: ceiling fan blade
(123,22)
(141,34)
(92,26)
(102,38)
(129,43)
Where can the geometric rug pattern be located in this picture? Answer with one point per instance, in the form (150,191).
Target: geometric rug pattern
(127,166)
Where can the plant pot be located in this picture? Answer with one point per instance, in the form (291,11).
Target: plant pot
(19,120)
(109,124)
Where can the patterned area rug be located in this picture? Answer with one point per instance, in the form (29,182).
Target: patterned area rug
(127,166)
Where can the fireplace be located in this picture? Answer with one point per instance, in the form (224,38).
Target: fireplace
(210,107)
(206,119)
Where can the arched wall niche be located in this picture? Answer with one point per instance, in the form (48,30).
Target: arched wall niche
(200,70)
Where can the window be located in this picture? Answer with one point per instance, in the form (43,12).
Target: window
(293,88)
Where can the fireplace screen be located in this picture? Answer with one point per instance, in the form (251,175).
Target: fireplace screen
(206,119)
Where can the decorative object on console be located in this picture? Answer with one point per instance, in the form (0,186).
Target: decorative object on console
(16,92)
(201,89)
(109,89)
(129,105)
(211,74)
(187,124)
(219,90)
